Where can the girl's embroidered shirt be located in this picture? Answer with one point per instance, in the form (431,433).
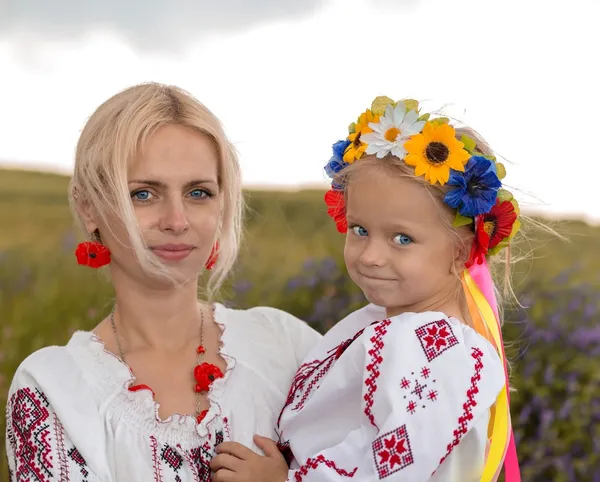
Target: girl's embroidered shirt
(71,417)
(405,399)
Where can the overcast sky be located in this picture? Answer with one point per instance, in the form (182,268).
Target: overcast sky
(287,77)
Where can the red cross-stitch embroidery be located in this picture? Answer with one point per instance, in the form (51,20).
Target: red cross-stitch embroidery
(170,457)
(175,462)
(392,452)
(419,390)
(79,461)
(309,376)
(59,430)
(373,367)
(315,377)
(29,435)
(467,416)
(155,460)
(312,464)
(436,337)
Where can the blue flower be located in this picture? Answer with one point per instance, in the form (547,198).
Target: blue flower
(337,163)
(476,188)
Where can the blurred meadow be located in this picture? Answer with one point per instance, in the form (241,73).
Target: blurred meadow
(292,259)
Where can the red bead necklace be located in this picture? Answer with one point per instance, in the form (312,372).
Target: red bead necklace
(204,373)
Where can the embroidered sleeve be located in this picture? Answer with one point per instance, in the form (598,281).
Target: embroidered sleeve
(428,385)
(37,446)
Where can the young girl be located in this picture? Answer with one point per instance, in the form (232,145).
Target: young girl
(414,386)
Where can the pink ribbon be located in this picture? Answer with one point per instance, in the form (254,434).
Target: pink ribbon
(483,279)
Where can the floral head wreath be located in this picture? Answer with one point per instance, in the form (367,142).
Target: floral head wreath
(431,146)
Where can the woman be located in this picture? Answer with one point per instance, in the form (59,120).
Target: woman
(164,378)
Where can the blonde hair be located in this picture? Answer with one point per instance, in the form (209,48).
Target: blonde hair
(463,236)
(110,142)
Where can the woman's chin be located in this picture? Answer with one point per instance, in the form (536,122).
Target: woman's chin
(177,276)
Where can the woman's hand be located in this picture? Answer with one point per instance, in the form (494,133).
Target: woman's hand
(235,462)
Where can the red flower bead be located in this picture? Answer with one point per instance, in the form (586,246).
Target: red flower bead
(205,374)
(200,417)
(92,254)
(201,350)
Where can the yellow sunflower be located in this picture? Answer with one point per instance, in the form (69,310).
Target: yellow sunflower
(435,151)
(356,148)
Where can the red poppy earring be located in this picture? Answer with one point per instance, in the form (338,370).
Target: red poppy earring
(92,253)
(214,256)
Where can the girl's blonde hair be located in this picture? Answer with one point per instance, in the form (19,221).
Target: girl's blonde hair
(463,236)
(112,139)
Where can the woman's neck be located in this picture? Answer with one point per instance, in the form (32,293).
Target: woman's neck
(164,319)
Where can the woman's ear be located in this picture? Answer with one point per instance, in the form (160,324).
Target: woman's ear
(86,211)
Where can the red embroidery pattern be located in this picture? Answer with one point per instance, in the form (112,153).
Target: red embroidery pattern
(313,372)
(79,461)
(30,435)
(316,378)
(176,461)
(227,428)
(373,367)
(421,389)
(285,450)
(59,430)
(155,462)
(467,415)
(436,337)
(170,456)
(199,458)
(312,464)
(392,452)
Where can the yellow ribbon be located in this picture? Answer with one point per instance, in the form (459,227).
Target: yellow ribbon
(486,324)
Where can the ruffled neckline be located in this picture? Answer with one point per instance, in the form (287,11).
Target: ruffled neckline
(139,408)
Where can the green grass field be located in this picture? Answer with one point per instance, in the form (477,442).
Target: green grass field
(44,295)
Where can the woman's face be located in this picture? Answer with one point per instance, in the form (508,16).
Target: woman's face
(174,190)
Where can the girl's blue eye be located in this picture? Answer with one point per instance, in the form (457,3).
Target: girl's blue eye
(359,231)
(142,195)
(402,239)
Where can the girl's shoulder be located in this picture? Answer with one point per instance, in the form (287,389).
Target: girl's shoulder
(430,326)
(435,341)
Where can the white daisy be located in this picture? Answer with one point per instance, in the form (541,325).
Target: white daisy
(392,131)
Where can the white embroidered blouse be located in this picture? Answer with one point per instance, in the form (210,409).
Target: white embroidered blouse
(70,416)
(405,399)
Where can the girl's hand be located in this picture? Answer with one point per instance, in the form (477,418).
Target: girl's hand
(235,462)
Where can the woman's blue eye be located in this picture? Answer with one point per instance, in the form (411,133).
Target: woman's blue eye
(198,193)
(402,239)
(359,231)
(142,195)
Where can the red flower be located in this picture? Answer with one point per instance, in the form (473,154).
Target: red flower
(92,254)
(205,374)
(213,257)
(336,208)
(490,229)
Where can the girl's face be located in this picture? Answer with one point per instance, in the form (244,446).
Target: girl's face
(397,249)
